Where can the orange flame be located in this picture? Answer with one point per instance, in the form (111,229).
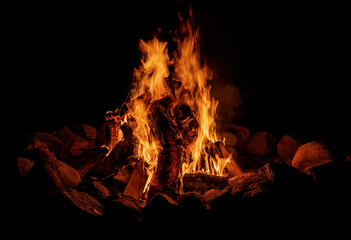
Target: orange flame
(194,79)
(150,85)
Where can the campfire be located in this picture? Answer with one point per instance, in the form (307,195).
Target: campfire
(170,116)
(161,157)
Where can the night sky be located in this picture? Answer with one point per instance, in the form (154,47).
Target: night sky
(75,62)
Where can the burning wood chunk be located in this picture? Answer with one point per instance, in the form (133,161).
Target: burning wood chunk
(113,121)
(186,122)
(114,185)
(123,175)
(162,123)
(119,156)
(129,139)
(168,175)
(221,151)
(136,183)
(168,172)
(111,163)
(201,182)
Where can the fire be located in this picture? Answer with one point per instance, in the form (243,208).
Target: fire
(194,77)
(182,96)
(149,85)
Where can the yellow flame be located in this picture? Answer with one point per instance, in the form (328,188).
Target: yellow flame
(150,85)
(194,77)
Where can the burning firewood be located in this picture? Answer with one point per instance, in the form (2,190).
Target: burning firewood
(137,181)
(221,151)
(168,173)
(201,182)
(186,122)
(118,156)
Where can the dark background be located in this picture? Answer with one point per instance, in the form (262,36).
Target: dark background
(73,62)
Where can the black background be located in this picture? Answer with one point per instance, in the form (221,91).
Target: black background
(73,62)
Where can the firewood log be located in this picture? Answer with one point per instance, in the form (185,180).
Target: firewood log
(232,167)
(167,174)
(162,122)
(201,182)
(89,160)
(186,123)
(136,182)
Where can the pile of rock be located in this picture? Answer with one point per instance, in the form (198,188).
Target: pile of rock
(283,178)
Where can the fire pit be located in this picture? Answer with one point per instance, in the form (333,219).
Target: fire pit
(159,159)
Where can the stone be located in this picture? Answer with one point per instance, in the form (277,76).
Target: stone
(23,166)
(122,211)
(288,146)
(53,144)
(86,131)
(94,188)
(88,160)
(311,154)
(191,201)
(192,208)
(82,203)
(284,176)
(160,210)
(236,136)
(51,174)
(261,144)
(75,143)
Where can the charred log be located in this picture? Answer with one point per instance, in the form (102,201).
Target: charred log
(119,156)
(168,172)
(220,150)
(186,122)
(201,182)
(136,182)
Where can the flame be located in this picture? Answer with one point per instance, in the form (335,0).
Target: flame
(194,79)
(150,84)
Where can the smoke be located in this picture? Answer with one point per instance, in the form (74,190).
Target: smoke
(230,101)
